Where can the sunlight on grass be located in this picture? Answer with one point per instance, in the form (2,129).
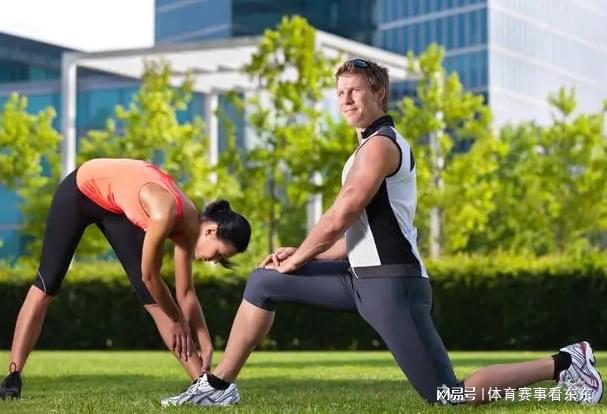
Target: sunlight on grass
(277,382)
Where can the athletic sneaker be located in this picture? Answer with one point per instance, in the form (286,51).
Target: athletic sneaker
(11,386)
(582,376)
(202,393)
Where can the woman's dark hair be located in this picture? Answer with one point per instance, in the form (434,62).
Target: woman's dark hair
(232,227)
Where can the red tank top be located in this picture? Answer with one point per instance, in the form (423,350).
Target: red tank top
(114,185)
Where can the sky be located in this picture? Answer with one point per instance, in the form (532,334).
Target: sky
(87,25)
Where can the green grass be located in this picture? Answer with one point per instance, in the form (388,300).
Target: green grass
(272,382)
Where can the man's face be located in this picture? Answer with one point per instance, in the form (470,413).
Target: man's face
(359,105)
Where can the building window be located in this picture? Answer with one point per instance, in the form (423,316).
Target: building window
(416,8)
(451,32)
(406,38)
(484,23)
(428,35)
(462,29)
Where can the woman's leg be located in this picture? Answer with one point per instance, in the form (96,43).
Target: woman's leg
(65,224)
(193,365)
(28,327)
(127,241)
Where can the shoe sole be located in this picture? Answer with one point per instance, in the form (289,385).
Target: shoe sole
(592,367)
(14,395)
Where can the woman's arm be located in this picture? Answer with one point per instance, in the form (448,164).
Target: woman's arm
(190,305)
(160,206)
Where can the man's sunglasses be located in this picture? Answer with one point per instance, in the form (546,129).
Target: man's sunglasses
(360,63)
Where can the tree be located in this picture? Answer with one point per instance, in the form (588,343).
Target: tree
(28,143)
(455,151)
(24,141)
(294,138)
(552,195)
(149,129)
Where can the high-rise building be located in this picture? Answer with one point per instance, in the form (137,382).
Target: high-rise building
(515,52)
(190,20)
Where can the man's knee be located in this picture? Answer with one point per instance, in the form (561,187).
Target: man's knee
(258,289)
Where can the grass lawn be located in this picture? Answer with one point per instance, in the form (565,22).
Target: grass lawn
(272,382)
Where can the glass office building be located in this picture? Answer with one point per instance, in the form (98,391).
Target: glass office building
(514,52)
(191,20)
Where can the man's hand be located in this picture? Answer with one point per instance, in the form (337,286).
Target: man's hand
(286,266)
(276,258)
(182,340)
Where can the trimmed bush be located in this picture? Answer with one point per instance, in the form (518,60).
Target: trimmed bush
(479,303)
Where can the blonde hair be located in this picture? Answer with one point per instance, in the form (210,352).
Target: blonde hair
(376,76)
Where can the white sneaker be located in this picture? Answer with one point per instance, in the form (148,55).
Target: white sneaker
(582,377)
(202,393)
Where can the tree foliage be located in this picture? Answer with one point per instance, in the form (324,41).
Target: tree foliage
(552,194)
(294,138)
(29,160)
(457,174)
(149,129)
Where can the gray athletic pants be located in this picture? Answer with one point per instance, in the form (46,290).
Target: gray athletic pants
(398,308)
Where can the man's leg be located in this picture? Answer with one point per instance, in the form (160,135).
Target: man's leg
(573,368)
(502,376)
(250,326)
(320,284)
(398,309)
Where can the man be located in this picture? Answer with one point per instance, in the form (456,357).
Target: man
(376,270)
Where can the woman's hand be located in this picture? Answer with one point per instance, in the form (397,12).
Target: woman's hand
(182,340)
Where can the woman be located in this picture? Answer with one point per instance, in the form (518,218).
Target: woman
(137,206)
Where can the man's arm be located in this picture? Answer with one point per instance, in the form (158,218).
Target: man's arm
(338,251)
(377,158)
(190,305)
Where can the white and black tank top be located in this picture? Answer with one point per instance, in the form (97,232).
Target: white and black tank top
(382,241)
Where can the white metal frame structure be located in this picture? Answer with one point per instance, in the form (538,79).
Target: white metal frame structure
(215,66)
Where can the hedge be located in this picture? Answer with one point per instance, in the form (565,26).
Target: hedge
(479,303)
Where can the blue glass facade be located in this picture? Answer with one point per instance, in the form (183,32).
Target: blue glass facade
(189,20)
(514,52)
(461,26)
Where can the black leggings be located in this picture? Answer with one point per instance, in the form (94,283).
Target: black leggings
(398,308)
(70,213)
